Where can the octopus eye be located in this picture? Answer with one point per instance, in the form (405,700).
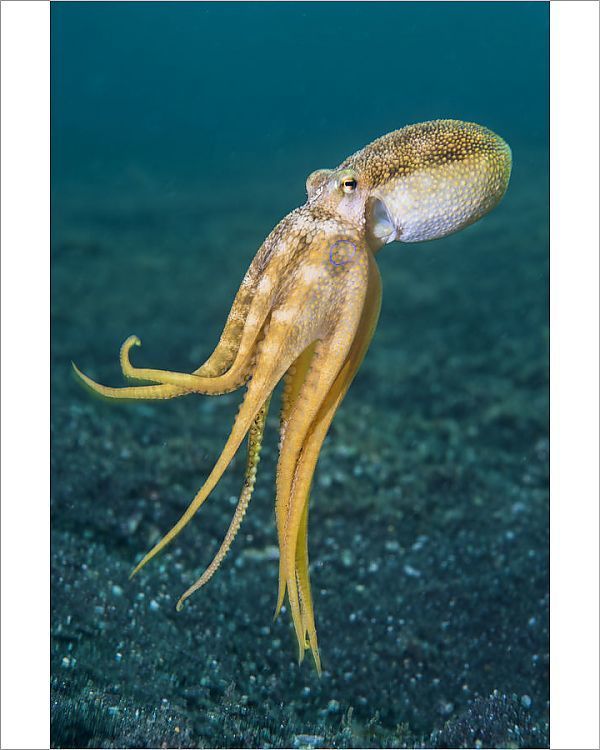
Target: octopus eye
(349,185)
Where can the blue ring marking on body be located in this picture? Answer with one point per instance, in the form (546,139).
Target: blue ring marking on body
(348,259)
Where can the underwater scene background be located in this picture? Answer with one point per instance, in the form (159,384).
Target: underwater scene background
(181,134)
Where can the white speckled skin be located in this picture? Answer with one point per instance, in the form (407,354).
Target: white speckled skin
(422,182)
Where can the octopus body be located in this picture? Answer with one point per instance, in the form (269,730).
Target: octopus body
(306,311)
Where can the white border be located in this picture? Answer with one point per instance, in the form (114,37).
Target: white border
(574,374)
(25,374)
(25,368)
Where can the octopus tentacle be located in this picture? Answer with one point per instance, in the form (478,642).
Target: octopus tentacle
(304,592)
(228,381)
(191,382)
(294,556)
(330,355)
(293,381)
(229,342)
(254,445)
(224,354)
(185,381)
(132,392)
(314,364)
(274,357)
(218,362)
(231,380)
(317,384)
(292,384)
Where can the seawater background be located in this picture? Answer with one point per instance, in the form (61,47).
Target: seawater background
(181,133)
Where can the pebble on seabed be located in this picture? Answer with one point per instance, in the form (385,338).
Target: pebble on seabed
(307,740)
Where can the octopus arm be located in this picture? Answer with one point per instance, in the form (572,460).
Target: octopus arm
(255,437)
(229,342)
(293,381)
(129,393)
(334,364)
(274,356)
(233,355)
(294,559)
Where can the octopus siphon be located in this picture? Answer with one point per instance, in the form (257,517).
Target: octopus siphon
(306,311)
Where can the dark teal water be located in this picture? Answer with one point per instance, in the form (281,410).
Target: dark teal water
(181,133)
(193,87)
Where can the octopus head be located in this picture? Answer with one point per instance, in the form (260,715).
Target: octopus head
(419,183)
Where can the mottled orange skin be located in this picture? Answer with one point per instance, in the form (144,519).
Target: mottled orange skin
(306,312)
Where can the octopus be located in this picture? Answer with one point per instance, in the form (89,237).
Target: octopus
(306,311)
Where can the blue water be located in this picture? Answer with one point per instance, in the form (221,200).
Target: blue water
(181,133)
(196,85)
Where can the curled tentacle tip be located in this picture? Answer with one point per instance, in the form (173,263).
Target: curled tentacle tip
(179,605)
(132,341)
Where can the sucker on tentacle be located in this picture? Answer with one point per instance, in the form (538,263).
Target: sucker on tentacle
(307,309)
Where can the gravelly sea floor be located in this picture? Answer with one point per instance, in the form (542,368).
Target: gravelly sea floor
(429,520)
